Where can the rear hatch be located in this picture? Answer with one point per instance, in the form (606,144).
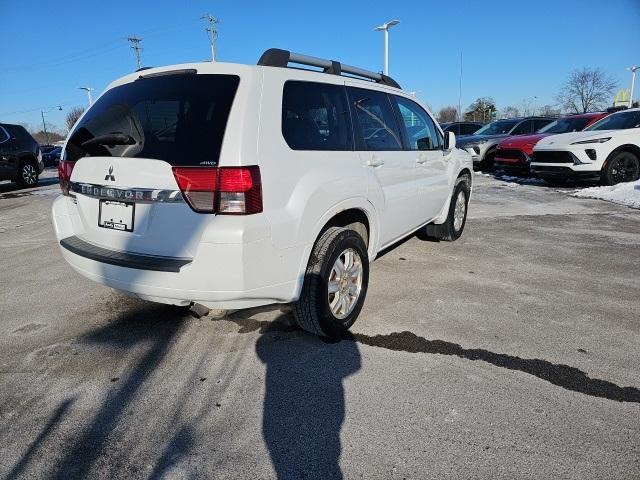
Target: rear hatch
(126,152)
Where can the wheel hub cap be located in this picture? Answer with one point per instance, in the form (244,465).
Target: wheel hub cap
(459,210)
(345,283)
(29,174)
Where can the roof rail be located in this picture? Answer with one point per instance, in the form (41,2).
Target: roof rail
(275,57)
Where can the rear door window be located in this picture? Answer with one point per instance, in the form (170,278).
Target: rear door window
(178,118)
(315,116)
(4,136)
(375,122)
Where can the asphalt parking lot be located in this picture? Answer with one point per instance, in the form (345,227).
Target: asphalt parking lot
(512,353)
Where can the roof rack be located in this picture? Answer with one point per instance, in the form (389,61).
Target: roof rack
(275,57)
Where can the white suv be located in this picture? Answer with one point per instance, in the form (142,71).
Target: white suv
(236,186)
(608,151)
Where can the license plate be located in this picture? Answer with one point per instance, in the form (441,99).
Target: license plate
(116,215)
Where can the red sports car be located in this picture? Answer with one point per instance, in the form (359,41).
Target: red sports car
(513,154)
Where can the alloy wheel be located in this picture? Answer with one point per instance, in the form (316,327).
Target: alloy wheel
(29,174)
(459,210)
(624,169)
(345,283)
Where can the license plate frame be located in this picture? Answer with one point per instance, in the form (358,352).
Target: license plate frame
(119,215)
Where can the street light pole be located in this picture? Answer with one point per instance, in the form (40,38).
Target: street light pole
(88,90)
(385,28)
(633,83)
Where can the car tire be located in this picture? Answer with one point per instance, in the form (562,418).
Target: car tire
(28,176)
(331,313)
(621,167)
(488,163)
(453,227)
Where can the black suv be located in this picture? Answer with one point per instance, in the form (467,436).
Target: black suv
(20,157)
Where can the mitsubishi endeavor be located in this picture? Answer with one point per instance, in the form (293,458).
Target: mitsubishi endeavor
(235,186)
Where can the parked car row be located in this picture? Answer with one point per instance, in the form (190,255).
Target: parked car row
(513,154)
(597,146)
(482,144)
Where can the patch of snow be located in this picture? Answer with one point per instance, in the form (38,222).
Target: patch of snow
(623,193)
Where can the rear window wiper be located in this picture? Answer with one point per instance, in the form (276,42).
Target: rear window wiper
(110,139)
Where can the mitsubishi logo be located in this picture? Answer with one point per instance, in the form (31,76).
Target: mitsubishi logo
(109,176)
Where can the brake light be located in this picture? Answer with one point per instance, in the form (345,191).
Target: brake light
(224,190)
(198,185)
(65,168)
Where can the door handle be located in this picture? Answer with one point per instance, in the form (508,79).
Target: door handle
(375,161)
(421,160)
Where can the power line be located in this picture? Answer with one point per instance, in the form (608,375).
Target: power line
(212,33)
(137,49)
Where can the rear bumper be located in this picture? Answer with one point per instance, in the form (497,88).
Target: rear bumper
(220,275)
(123,259)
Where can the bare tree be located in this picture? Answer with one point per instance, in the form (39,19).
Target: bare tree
(510,112)
(448,114)
(549,110)
(72,117)
(586,90)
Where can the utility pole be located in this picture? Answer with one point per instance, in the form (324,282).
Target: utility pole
(88,90)
(44,127)
(137,49)
(385,28)
(633,83)
(44,124)
(212,33)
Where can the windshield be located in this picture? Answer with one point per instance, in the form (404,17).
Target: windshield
(501,127)
(566,125)
(178,118)
(618,121)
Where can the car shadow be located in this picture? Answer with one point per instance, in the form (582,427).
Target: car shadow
(12,187)
(304,400)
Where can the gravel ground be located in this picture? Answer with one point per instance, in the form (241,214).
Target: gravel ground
(511,353)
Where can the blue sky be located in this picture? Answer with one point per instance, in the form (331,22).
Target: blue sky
(526,48)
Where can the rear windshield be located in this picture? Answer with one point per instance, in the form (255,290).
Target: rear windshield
(178,118)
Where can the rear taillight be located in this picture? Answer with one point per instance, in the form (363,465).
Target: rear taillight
(64,175)
(198,185)
(224,190)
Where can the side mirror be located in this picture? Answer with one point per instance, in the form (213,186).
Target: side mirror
(449,140)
